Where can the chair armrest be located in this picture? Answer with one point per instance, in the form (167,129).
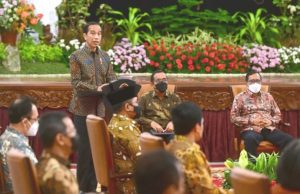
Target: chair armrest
(286,124)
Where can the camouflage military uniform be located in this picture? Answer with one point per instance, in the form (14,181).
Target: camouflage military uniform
(156,109)
(126,148)
(11,138)
(197,173)
(55,176)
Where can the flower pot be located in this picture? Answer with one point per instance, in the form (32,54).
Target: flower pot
(9,37)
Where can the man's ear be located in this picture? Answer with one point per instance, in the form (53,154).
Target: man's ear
(24,120)
(59,138)
(195,127)
(127,106)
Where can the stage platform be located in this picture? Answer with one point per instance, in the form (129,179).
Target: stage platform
(211,92)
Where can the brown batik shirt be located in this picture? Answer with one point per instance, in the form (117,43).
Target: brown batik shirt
(88,71)
(126,148)
(156,109)
(54,175)
(248,106)
(197,173)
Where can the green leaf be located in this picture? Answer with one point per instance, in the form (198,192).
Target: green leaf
(243,159)
(258,37)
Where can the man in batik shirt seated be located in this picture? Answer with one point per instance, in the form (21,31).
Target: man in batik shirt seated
(59,138)
(124,131)
(157,104)
(23,115)
(188,128)
(258,115)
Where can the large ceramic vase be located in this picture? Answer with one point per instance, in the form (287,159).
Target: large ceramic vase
(9,37)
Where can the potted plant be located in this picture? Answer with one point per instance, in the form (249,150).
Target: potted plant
(15,16)
(265,164)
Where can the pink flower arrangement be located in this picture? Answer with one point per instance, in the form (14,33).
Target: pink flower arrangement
(262,57)
(128,58)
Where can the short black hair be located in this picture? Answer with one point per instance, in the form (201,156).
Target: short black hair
(118,107)
(185,116)
(20,108)
(288,169)
(252,72)
(50,124)
(153,74)
(87,25)
(156,171)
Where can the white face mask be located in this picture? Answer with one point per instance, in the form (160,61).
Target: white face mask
(32,131)
(254,88)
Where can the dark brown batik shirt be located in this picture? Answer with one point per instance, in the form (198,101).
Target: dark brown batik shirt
(88,71)
(54,175)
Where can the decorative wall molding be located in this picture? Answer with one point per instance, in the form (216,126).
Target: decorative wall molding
(45,98)
(58,95)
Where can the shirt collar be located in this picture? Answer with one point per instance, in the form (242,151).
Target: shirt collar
(61,160)
(167,94)
(88,50)
(182,138)
(12,130)
(248,92)
(123,117)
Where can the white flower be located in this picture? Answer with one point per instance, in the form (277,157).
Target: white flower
(74,42)
(292,9)
(68,47)
(82,45)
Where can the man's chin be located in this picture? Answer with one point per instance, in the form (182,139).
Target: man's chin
(96,44)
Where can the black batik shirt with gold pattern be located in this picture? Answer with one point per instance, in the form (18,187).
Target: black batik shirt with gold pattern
(88,71)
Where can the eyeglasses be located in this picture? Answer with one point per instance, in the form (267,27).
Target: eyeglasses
(33,119)
(252,81)
(160,80)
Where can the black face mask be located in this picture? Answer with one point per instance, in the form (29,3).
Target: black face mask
(137,111)
(161,86)
(75,142)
